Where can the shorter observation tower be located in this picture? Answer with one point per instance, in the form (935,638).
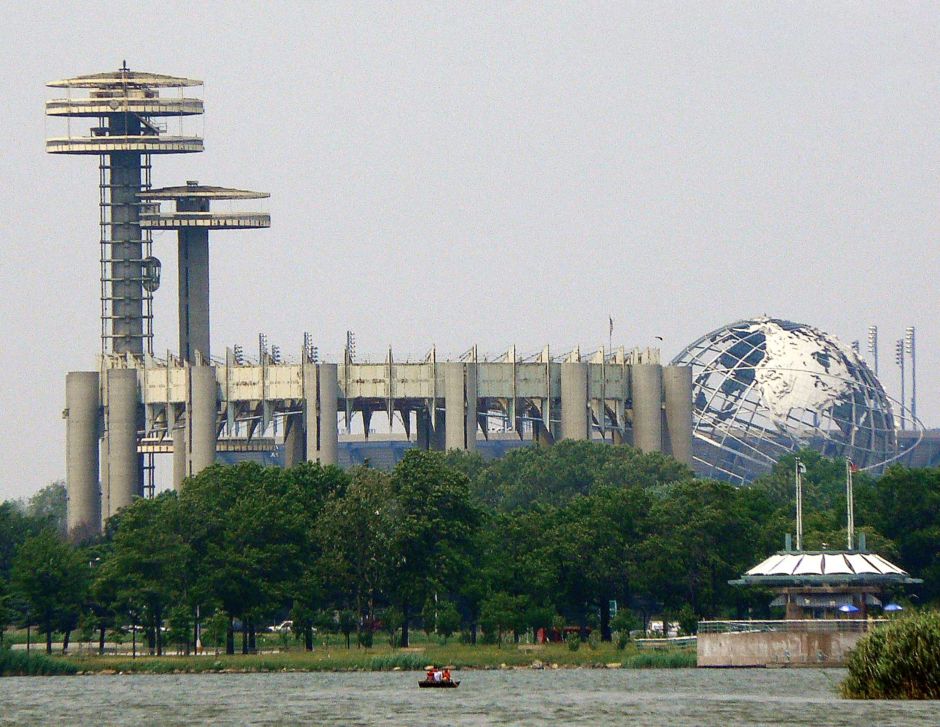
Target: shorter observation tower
(193,219)
(193,425)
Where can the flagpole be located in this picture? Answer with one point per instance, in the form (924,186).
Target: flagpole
(799,506)
(850,502)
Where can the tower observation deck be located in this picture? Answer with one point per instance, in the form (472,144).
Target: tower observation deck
(128,120)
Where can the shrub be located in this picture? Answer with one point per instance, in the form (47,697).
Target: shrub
(622,639)
(594,640)
(573,641)
(900,660)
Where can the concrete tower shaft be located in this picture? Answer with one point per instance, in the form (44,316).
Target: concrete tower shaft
(130,127)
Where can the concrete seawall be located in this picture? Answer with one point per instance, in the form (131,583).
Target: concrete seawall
(770,648)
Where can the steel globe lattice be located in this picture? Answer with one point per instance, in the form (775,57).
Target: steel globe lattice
(765,387)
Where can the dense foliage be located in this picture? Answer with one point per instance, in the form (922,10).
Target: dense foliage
(543,538)
(897,661)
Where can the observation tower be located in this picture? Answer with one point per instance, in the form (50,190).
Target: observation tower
(129,124)
(193,219)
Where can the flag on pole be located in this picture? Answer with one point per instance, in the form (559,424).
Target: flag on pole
(611,325)
(853,468)
(801,468)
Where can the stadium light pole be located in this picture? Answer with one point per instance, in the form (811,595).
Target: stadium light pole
(910,347)
(873,346)
(899,360)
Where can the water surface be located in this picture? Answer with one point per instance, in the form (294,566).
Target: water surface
(520,697)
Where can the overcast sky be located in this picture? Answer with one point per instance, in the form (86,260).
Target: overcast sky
(489,173)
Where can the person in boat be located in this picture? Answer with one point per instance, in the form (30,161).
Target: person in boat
(446,675)
(430,675)
(438,675)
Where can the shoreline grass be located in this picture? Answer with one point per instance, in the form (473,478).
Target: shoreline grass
(457,656)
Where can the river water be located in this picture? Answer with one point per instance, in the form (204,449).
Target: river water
(565,697)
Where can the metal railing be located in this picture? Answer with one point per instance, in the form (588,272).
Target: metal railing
(837,625)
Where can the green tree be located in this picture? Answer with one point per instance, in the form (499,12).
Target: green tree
(51,578)
(49,506)
(448,619)
(353,531)
(348,622)
(151,566)
(433,523)
(502,612)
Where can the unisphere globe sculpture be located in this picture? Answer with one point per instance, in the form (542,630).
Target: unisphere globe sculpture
(764,387)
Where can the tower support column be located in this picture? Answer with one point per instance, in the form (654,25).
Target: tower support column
(646,383)
(455,415)
(677,388)
(202,418)
(329,394)
(81,436)
(124,464)
(574,400)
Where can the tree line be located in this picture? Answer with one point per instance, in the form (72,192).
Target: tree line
(541,538)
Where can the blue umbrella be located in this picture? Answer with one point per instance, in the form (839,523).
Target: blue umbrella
(893,607)
(848,608)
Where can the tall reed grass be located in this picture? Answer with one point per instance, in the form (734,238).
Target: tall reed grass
(19,663)
(898,661)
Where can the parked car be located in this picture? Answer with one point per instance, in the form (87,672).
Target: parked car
(282,628)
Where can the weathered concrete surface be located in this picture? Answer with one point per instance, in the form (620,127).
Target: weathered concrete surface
(776,648)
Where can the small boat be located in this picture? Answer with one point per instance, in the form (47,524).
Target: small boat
(428,684)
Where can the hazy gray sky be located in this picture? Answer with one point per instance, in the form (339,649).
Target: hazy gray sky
(490,173)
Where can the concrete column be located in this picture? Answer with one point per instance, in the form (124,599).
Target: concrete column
(471,397)
(194,290)
(677,385)
(104,459)
(439,435)
(202,418)
(647,392)
(294,440)
(81,458)
(329,394)
(574,402)
(179,454)
(311,410)
(124,465)
(455,415)
(423,429)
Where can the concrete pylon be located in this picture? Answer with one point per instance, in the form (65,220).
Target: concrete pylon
(178,429)
(202,419)
(81,459)
(294,440)
(647,390)
(329,395)
(574,400)
(124,464)
(455,415)
(677,387)
(471,403)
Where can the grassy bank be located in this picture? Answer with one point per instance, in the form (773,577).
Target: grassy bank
(19,663)
(458,656)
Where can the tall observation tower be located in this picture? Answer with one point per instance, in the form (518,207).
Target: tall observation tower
(129,124)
